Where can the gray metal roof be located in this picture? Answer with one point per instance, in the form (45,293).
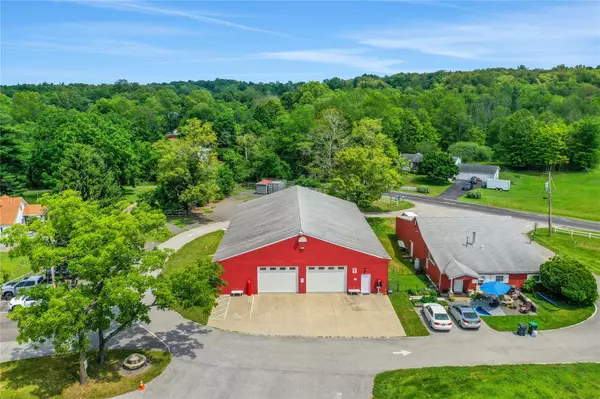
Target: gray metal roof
(499,248)
(477,168)
(418,157)
(294,211)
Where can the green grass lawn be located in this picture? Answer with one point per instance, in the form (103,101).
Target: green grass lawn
(585,250)
(547,381)
(548,317)
(32,196)
(57,376)
(387,205)
(131,193)
(182,222)
(12,268)
(413,180)
(204,246)
(574,194)
(402,272)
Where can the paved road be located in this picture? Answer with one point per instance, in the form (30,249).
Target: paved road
(209,363)
(557,220)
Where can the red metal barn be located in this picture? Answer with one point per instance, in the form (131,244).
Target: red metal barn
(300,241)
(459,253)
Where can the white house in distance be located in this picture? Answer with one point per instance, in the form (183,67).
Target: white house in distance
(483,172)
(13,210)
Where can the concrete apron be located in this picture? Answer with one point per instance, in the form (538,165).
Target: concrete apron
(308,315)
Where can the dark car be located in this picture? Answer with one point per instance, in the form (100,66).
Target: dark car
(60,273)
(467,186)
(473,180)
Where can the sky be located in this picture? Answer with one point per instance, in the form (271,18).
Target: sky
(101,41)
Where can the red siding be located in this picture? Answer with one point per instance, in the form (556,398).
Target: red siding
(408,230)
(517,279)
(243,268)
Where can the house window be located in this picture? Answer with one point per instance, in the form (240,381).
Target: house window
(536,277)
(500,278)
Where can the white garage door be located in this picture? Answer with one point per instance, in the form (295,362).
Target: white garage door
(277,279)
(326,279)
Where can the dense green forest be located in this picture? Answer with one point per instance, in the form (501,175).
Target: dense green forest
(344,134)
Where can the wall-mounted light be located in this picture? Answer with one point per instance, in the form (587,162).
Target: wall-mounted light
(302,240)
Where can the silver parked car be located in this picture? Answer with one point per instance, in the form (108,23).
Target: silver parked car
(465,316)
(436,316)
(11,289)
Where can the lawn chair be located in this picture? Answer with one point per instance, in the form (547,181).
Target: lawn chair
(526,307)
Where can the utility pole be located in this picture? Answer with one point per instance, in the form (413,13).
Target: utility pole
(549,202)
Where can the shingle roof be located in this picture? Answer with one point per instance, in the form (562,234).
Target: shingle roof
(293,211)
(9,209)
(477,168)
(499,246)
(418,157)
(33,209)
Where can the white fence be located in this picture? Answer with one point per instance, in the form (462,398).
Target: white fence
(572,233)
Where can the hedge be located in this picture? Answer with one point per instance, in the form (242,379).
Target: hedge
(569,278)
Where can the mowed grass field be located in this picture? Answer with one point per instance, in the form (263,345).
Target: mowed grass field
(12,268)
(585,250)
(413,180)
(574,194)
(547,381)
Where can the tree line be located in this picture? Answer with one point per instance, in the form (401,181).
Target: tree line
(345,134)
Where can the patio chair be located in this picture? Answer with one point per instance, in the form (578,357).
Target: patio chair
(507,301)
(526,307)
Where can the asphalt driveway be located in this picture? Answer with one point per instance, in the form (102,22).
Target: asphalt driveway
(455,190)
(310,315)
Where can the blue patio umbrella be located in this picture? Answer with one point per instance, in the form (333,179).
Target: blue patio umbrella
(495,288)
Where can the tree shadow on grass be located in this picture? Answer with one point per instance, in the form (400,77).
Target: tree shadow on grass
(49,376)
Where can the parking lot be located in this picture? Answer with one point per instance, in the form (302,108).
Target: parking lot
(456,329)
(311,315)
(8,329)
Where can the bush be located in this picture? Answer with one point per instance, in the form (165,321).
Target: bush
(428,299)
(529,284)
(423,189)
(474,194)
(569,278)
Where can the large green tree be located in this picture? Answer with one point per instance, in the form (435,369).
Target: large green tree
(83,169)
(438,166)
(104,248)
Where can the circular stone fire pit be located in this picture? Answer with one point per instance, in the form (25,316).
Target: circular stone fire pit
(134,361)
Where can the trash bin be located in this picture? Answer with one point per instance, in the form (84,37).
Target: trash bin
(522,329)
(533,326)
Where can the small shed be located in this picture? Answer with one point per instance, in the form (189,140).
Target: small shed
(267,186)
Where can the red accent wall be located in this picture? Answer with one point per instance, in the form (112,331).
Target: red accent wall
(517,279)
(244,267)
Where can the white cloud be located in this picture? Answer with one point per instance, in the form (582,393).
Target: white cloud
(147,8)
(102,47)
(350,58)
(545,36)
(121,29)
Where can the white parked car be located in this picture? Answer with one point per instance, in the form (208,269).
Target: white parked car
(465,316)
(437,317)
(20,301)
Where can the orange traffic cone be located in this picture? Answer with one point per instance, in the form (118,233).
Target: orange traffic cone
(142,386)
